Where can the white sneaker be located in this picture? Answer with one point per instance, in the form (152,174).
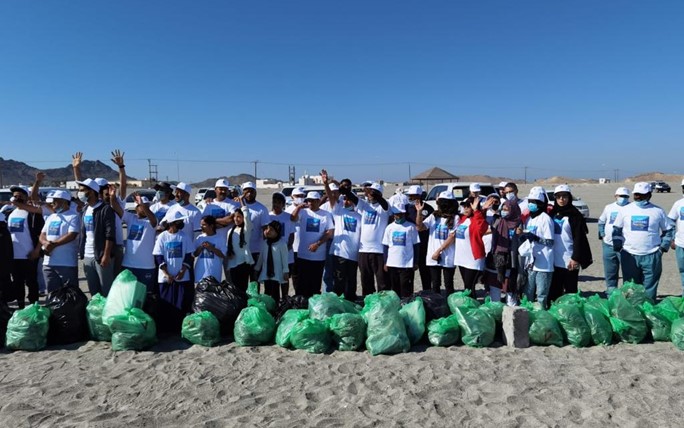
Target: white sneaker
(511,300)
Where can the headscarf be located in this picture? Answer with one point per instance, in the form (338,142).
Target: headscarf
(581,250)
(501,241)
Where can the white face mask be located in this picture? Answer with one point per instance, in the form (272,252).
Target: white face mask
(510,196)
(297,201)
(83,197)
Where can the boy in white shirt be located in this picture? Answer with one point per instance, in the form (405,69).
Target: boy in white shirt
(677,216)
(537,238)
(401,244)
(611,258)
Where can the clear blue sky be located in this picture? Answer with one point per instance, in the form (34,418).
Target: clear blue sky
(575,88)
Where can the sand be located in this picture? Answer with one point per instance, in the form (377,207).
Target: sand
(175,384)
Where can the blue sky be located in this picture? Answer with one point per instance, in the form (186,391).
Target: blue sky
(370,89)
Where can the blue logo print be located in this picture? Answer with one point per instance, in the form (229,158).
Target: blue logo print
(218,212)
(206,254)
(399,239)
(16,225)
(558,225)
(681,213)
(174,250)
(460,231)
(160,215)
(53,228)
(313,224)
(370,217)
(612,217)
(88,222)
(135,232)
(350,223)
(640,223)
(441,232)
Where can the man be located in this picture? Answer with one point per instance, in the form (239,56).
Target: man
(58,239)
(501,189)
(611,258)
(260,218)
(475,190)
(332,198)
(676,215)
(164,200)
(190,214)
(279,214)
(415,193)
(25,227)
(298,195)
(98,237)
(642,232)
(6,260)
(221,207)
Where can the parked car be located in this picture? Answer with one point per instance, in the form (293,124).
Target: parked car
(581,206)
(199,196)
(660,187)
(5,206)
(130,200)
(460,191)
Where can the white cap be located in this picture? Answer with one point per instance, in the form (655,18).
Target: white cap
(562,188)
(313,195)
(398,206)
(298,191)
(682,181)
(90,183)
(333,187)
(222,182)
(102,182)
(184,187)
(415,190)
(248,185)
(502,184)
(144,200)
(176,216)
(58,194)
(366,183)
(22,189)
(642,188)
(446,195)
(475,187)
(377,186)
(622,191)
(537,193)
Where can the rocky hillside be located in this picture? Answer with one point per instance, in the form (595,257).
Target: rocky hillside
(15,172)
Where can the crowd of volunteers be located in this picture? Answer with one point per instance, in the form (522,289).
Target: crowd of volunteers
(511,245)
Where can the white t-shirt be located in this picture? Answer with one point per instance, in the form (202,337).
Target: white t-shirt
(287,228)
(258,213)
(677,215)
(139,242)
(373,223)
(400,239)
(608,217)
(347,237)
(244,254)
(18,225)
(295,230)
(220,209)
(56,226)
(542,226)
(119,224)
(88,223)
(463,253)
(641,228)
(207,263)
(192,224)
(160,209)
(174,247)
(312,226)
(439,233)
(562,242)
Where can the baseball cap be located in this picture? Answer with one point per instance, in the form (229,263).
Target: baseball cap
(537,193)
(415,190)
(377,186)
(184,187)
(22,189)
(58,194)
(366,183)
(298,191)
(313,195)
(333,187)
(475,187)
(176,216)
(562,188)
(502,185)
(167,187)
(102,182)
(248,185)
(222,182)
(622,191)
(446,195)
(642,188)
(90,183)
(398,207)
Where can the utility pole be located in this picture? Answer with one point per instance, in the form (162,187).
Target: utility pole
(525,180)
(409,177)
(291,174)
(255,169)
(616,172)
(152,171)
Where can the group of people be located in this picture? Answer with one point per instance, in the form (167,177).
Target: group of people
(321,242)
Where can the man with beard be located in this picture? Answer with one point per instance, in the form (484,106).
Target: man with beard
(260,218)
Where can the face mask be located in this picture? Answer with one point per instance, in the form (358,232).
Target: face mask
(622,201)
(510,196)
(399,220)
(641,204)
(350,208)
(297,201)
(182,202)
(505,214)
(83,197)
(59,210)
(533,207)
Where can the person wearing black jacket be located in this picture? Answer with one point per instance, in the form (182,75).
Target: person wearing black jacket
(571,245)
(415,193)
(6,259)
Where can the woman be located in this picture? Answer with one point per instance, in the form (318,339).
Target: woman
(470,251)
(570,244)
(536,247)
(502,260)
(210,250)
(240,260)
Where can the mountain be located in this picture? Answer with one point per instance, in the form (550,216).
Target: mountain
(233,180)
(15,172)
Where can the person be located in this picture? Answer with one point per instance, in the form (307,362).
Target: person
(298,195)
(400,240)
(676,215)
(25,228)
(221,208)
(210,250)
(279,214)
(315,229)
(642,232)
(511,194)
(571,251)
(501,190)
(536,248)
(190,213)
(97,238)
(415,194)
(273,261)
(58,240)
(240,260)
(139,243)
(611,258)
(501,264)
(328,269)
(6,259)
(259,217)
(469,253)
(475,189)
(163,201)
(173,253)
(440,227)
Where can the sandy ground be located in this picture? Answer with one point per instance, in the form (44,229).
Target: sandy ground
(175,384)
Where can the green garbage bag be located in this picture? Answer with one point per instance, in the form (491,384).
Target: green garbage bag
(626,320)
(544,329)
(289,319)
(27,329)
(596,302)
(126,293)
(461,299)
(599,326)
(201,328)
(386,332)
(677,333)
(657,321)
(254,326)
(572,299)
(413,314)
(348,331)
(98,329)
(254,297)
(495,309)
(311,335)
(323,306)
(133,330)
(635,293)
(573,324)
(671,307)
(477,326)
(444,331)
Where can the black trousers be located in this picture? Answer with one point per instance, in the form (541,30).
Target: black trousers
(424,270)
(272,288)
(344,277)
(240,275)
(24,274)
(469,277)
(371,267)
(563,282)
(436,273)
(294,275)
(310,276)
(401,280)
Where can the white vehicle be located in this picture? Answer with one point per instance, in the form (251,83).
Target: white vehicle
(199,196)
(130,200)
(460,191)
(287,191)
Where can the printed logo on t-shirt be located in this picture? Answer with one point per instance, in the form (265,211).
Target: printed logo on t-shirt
(174,250)
(88,222)
(160,215)
(681,213)
(511,232)
(313,224)
(460,231)
(282,229)
(135,232)
(639,223)
(531,229)
(399,239)
(16,225)
(612,217)
(370,217)
(206,254)
(53,228)
(441,232)
(350,223)
(218,212)
(558,225)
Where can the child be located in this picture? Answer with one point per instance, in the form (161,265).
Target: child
(210,250)
(273,264)
(240,259)
(401,243)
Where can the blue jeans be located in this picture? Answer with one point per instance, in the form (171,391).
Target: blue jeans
(329,269)
(146,276)
(539,284)
(58,276)
(644,270)
(679,254)
(611,267)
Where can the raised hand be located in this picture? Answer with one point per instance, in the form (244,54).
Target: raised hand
(76,159)
(118,158)
(324,176)
(40,176)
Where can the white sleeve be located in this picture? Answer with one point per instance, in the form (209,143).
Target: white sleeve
(602,219)
(674,212)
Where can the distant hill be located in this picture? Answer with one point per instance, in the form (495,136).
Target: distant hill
(486,179)
(15,172)
(672,179)
(233,180)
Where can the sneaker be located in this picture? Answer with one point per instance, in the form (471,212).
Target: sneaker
(511,300)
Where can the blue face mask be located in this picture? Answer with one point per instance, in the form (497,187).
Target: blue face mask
(399,220)
(533,207)
(181,202)
(622,201)
(641,204)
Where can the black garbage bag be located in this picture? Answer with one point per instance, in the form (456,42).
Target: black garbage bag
(152,305)
(224,300)
(291,302)
(68,318)
(435,304)
(5,315)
